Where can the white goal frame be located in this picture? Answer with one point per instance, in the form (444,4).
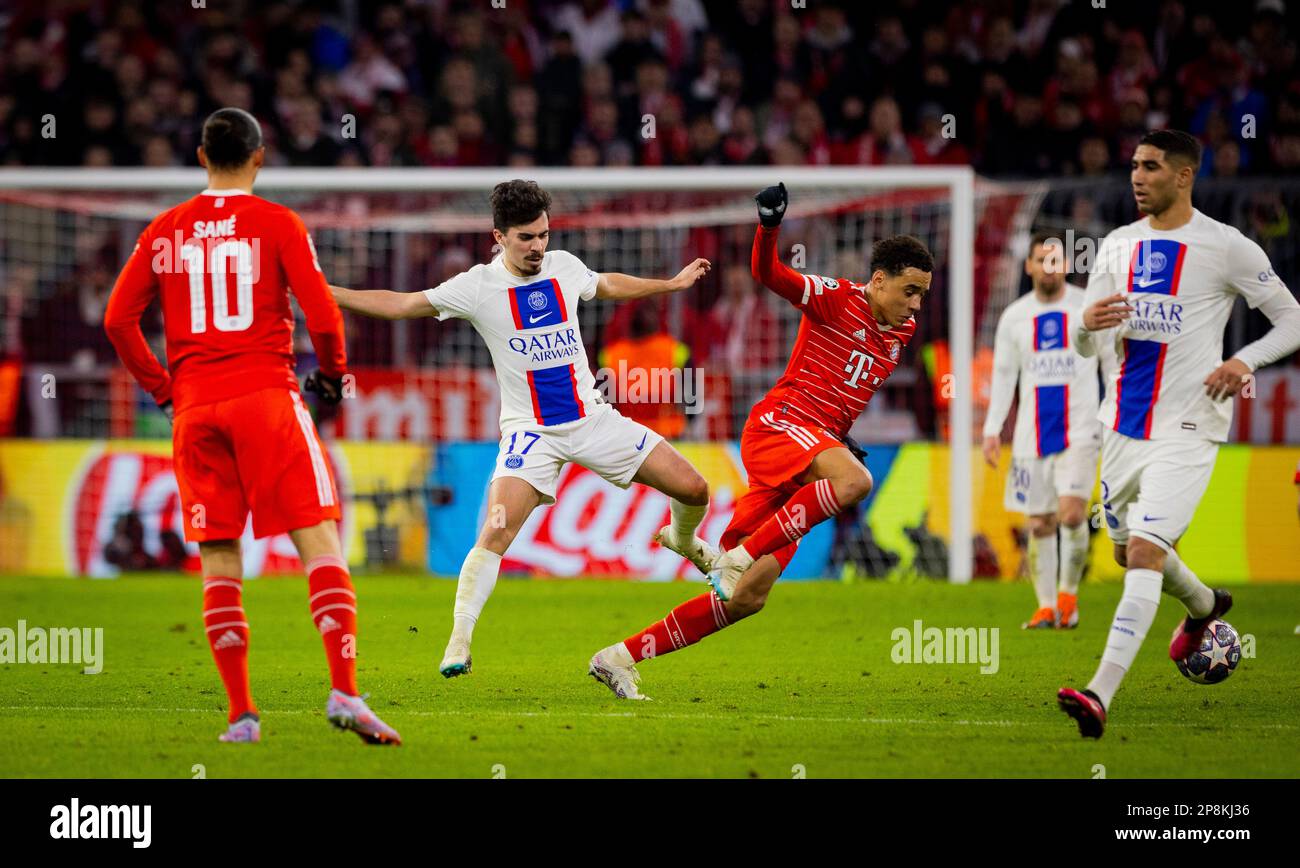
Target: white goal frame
(958,181)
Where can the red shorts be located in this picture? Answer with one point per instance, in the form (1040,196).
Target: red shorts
(776,454)
(257,452)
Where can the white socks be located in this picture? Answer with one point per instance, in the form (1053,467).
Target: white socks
(1182,584)
(478,576)
(686,518)
(1042,569)
(1133,618)
(1074,554)
(619,655)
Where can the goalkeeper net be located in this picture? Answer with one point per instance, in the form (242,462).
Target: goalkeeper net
(64,236)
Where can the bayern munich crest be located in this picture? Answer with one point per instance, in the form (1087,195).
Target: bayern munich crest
(893,351)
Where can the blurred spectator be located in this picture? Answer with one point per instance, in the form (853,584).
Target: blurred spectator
(743,328)
(1026,83)
(369,74)
(936,144)
(1094,157)
(642,369)
(306,143)
(632,49)
(594,26)
(884,142)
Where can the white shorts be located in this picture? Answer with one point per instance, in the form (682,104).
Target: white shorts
(1151,488)
(1035,485)
(606,443)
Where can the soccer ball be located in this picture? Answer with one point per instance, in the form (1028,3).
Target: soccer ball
(1217,657)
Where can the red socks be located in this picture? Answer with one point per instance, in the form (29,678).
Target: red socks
(334,611)
(809,506)
(227,629)
(687,624)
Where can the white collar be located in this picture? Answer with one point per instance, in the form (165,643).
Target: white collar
(231,192)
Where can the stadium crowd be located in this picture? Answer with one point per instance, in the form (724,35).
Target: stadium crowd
(1018,87)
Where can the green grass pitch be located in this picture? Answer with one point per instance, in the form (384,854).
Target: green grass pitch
(806,687)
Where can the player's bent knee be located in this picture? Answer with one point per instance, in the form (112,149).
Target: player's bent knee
(496,539)
(1042,525)
(1121,555)
(1145,555)
(855,488)
(1071,518)
(744,605)
(697,492)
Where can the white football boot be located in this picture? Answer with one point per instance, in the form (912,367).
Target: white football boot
(456,660)
(623,680)
(727,570)
(697,552)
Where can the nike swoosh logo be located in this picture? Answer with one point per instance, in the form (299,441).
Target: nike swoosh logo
(1153,518)
(1126,619)
(1145,282)
(642,443)
(533,319)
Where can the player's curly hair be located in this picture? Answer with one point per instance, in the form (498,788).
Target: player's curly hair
(896,254)
(518,202)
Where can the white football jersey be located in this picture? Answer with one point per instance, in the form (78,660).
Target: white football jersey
(530,326)
(1058,386)
(1182,284)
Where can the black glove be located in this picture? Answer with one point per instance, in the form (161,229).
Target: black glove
(771,205)
(856,448)
(330,389)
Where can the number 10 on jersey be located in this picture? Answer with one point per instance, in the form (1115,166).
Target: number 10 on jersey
(217,265)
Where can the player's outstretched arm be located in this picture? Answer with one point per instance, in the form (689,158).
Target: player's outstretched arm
(764,263)
(622,287)
(1252,275)
(383,303)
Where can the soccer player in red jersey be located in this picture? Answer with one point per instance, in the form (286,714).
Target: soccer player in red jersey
(802,466)
(223,264)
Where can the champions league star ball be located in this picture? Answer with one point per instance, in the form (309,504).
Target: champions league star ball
(1217,657)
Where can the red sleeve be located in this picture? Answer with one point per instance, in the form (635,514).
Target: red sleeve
(308,284)
(804,291)
(136,287)
(769,270)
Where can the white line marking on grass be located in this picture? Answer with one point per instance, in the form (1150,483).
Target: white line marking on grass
(651,715)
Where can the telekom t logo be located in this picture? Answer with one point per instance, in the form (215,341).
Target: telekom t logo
(855,370)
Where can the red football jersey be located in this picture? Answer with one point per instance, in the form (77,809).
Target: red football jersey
(224,263)
(841,355)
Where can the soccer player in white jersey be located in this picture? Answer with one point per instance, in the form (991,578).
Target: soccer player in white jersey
(1160,296)
(524,305)
(1057,436)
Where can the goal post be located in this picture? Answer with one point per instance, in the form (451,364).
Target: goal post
(855,206)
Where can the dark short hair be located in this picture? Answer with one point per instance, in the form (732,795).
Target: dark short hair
(897,254)
(1176,144)
(517,202)
(230,136)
